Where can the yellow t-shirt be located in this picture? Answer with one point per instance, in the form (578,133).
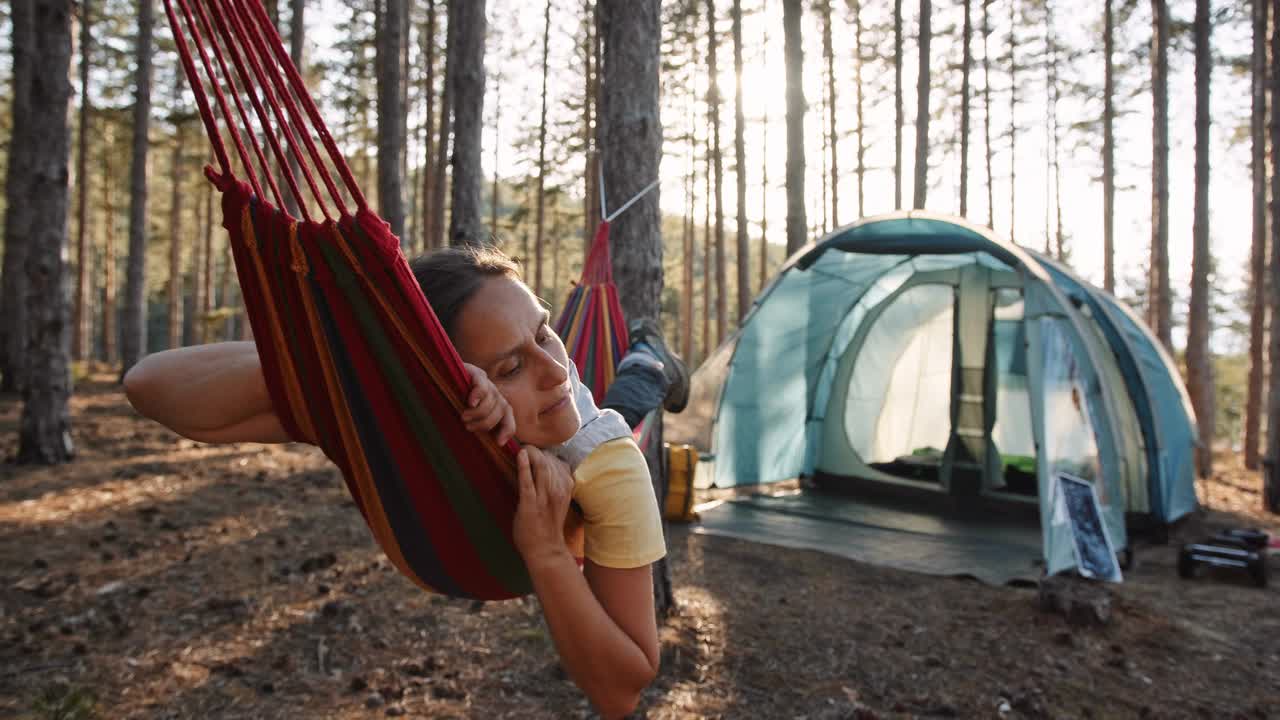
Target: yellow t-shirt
(622,525)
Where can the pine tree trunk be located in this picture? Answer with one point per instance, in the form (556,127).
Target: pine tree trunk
(539,236)
(110,333)
(740,169)
(899,113)
(495,199)
(1258,255)
(589,201)
(206,274)
(466,78)
(860,170)
(1271,477)
(764,203)
(440,179)
(1159,296)
(194,325)
(297,28)
(80,325)
(833,143)
(1199,361)
(134,325)
(920,195)
(596,92)
(1054,139)
(18,209)
(986,110)
(717,161)
(175,241)
(1013,121)
(797,225)
(387,43)
(1108,151)
(967,63)
(44,434)
(632,144)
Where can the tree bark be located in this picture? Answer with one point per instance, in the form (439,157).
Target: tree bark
(899,114)
(1271,478)
(967,63)
(1108,150)
(986,110)
(1258,252)
(44,434)
(1013,120)
(717,163)
(110,333)
(297,30)
(176,234)
(387,44)
(18,210)
(1199,328)
(439,181)
(539,236)
(860,170)
(590,204)
(921,194)
(428,49)
(1159,296)
(466,77)
(740,169)
(632,147)
(764,203)
(793,42)
(133,340)
(495,198)
(80,324)
(206,274)
(833,144)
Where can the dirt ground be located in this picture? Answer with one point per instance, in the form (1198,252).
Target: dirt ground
(160,578)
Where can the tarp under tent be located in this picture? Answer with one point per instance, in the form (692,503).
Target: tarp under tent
(922,356)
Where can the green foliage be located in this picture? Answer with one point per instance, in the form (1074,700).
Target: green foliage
(64,702)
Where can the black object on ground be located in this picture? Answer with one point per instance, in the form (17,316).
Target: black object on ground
(1237,548)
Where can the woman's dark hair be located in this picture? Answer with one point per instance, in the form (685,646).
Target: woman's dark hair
(450,276)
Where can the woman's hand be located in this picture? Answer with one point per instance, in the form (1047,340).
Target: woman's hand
(487,409)
(546,487)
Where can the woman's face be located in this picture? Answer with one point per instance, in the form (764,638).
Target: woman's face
(503,330)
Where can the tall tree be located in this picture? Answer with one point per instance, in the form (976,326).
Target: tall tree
(176,236)
(440,180)
(860,169)
(1199,361)
(899,115)
(1108,148)
(17,214)
(110,332)
(44,430)
(833,143)
(297,30)
(540,208)
(1271,478)
(391,136)
(966,64)
(133,339)
(921,194)
(1159,297)
(1013,119)
(717,164)
(428,43)
(466,78)
(986,110)
(631,143)
(80,324)
(793,48)
(740,168)
(764,199)
(206,298)
(1258,254)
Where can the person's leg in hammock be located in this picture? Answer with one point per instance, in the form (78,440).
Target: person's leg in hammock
(649,375)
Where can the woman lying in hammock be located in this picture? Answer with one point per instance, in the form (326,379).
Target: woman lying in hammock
(601,616)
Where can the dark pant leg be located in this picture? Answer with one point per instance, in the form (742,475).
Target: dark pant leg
(636,390)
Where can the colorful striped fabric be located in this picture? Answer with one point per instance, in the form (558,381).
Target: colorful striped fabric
(591,323)
(355,360)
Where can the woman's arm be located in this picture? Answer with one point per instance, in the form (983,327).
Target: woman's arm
(602,623)
(211,393)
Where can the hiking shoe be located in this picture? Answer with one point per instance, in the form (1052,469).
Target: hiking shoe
(646,331)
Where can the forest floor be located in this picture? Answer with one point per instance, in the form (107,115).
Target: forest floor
(160,578)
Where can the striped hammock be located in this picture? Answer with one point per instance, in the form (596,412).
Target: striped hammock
(591,323)
(355,359)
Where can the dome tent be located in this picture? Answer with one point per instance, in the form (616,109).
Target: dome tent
(920,352)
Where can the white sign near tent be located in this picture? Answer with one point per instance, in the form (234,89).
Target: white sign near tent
(1095,555)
